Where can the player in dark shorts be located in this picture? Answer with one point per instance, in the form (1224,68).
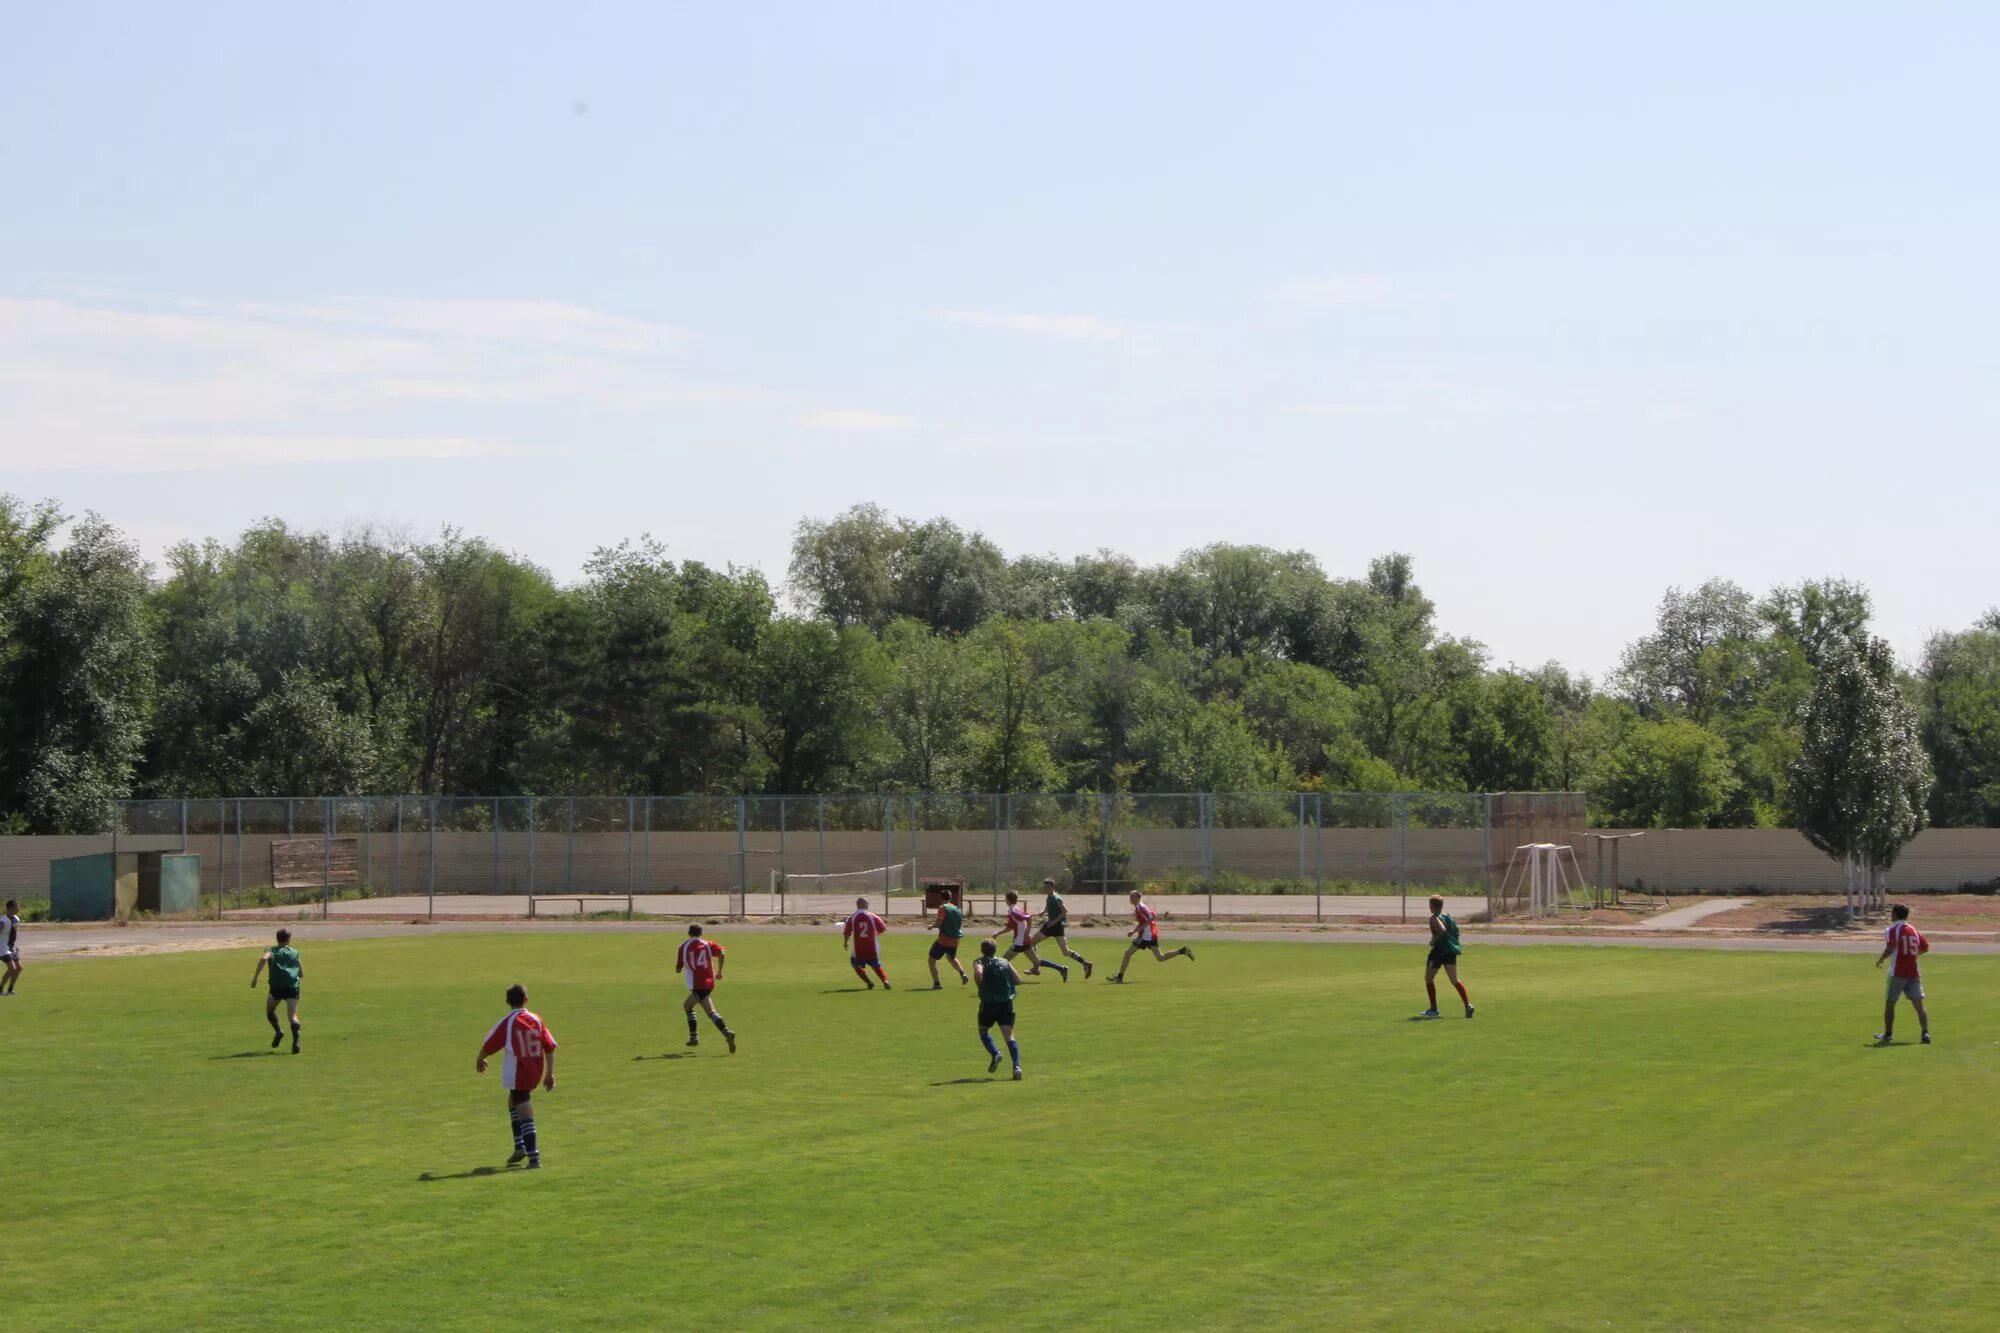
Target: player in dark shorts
(10,947)
(950,928)
(1055,926)
(1445,950)
(287,979)
(996,979)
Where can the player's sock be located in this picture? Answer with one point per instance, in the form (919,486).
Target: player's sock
(514,1119)
(295,1038)
(986,1040)
(1014,1049)
(720,1026)
(1430,989)
(694,1028)
(528,1138)
(272,1019)
(1460,987)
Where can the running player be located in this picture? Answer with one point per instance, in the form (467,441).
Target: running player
(530,1058)
(1905,943)
(1021,924)
(996,978)
(862,934)
(1055,926)
(287,974)
(10,947)
(701,960)
(1445,950)
(1145,935)
(950,928)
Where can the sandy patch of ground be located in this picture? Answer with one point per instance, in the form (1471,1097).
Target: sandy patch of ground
(1943,912)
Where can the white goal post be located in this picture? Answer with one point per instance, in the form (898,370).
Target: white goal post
(1547,875)
(836,892)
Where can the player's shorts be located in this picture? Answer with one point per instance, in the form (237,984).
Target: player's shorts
(1442,958)
(1002,1014)
(515,1096)
(858,961)
(701,992)
(1013,949)
(277,994)
(943,949)
(1054,930)
(1910,986)
(1147,942)
(10,955)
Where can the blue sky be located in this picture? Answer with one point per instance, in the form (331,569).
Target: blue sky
(1572,302)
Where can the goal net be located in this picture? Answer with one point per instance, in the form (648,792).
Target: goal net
(837,892)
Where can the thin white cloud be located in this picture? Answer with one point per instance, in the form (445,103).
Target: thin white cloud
(855,419)
(1062,328)
(98,387)
(1331,291)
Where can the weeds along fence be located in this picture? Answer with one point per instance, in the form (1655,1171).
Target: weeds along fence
(1238,853)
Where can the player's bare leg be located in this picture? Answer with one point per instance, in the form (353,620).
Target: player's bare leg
(1430,989)
(13,977)
(1451,971)
(292,1013)
(1062,943)
(521,1113)
(1923,1017)
(708,1007)
(271,1017)
(862,972)
(1131,950)
(881,973)
(687,1012)
(1036,959)
(935,983)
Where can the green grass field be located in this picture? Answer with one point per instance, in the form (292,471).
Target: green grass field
(1263,1137)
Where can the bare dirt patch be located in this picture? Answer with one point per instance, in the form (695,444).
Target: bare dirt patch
(163,945)
(1931,912)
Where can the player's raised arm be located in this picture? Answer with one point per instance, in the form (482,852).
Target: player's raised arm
(262,959)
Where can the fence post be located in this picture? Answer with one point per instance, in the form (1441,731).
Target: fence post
(290,830)
(646,844)
(367,867)
(569,849)
(184,825)
(221,854)
(1486,850)
(1104,853)
(822,836)
(496,845)
(326,858)
(783,802)
(994,900)
(531,856)
(431,862)
(1398,844)
(1207,806)
(396,863)
(888,847)
(631,813)
(239,851)
(1319,854)
(994,882)
(742,850)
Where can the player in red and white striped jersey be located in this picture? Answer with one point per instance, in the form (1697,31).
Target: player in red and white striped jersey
(1021,926)
(862,934)
(1145,935)
(1905,943)
(701,961)
(528,1051)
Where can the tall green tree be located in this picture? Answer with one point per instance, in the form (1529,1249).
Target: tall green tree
(1861,780)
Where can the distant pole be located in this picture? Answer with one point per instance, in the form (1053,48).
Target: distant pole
(1104,853)
(221,854)
(496,844)
(431,862)
(326,859)
(1319,855)
(531,855)
(631,863)
(569,850)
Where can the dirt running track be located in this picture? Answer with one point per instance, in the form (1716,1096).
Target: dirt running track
(49,943)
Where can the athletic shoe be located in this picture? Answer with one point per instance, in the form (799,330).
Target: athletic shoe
(965,981)
(520,1156)
(277,1040)
(1118,980)
(869,984)
(1468,1011)
(1925,1039)
(1062,972)
(1428,1013)
(730,1037)
(993,1064)
(694,1041)
(1189,952)
(885,983)
(1017,1073)
(937,985)
(1087,969)
(1883,1038)
(534,1161)
(295,1045)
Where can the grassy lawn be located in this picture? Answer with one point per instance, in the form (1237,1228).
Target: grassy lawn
(1262,1137)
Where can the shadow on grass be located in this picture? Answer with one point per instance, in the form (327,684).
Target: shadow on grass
(245,1055)
(1425,1018)
(849,990)
(475,1173)
(960,1082)
(1813,918)
(667,1055)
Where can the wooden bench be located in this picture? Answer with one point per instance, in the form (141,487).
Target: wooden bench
(535,900)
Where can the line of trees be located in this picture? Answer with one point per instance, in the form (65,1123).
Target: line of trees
(911,656)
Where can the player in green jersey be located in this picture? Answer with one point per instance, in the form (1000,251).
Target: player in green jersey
(1445,950)
(287,973)
(997,979)
(1055,926)
(950,928)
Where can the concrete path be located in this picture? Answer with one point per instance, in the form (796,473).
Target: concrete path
(48,944)
(1680,918)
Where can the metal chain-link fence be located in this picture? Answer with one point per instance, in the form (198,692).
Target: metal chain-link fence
(1219,855)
